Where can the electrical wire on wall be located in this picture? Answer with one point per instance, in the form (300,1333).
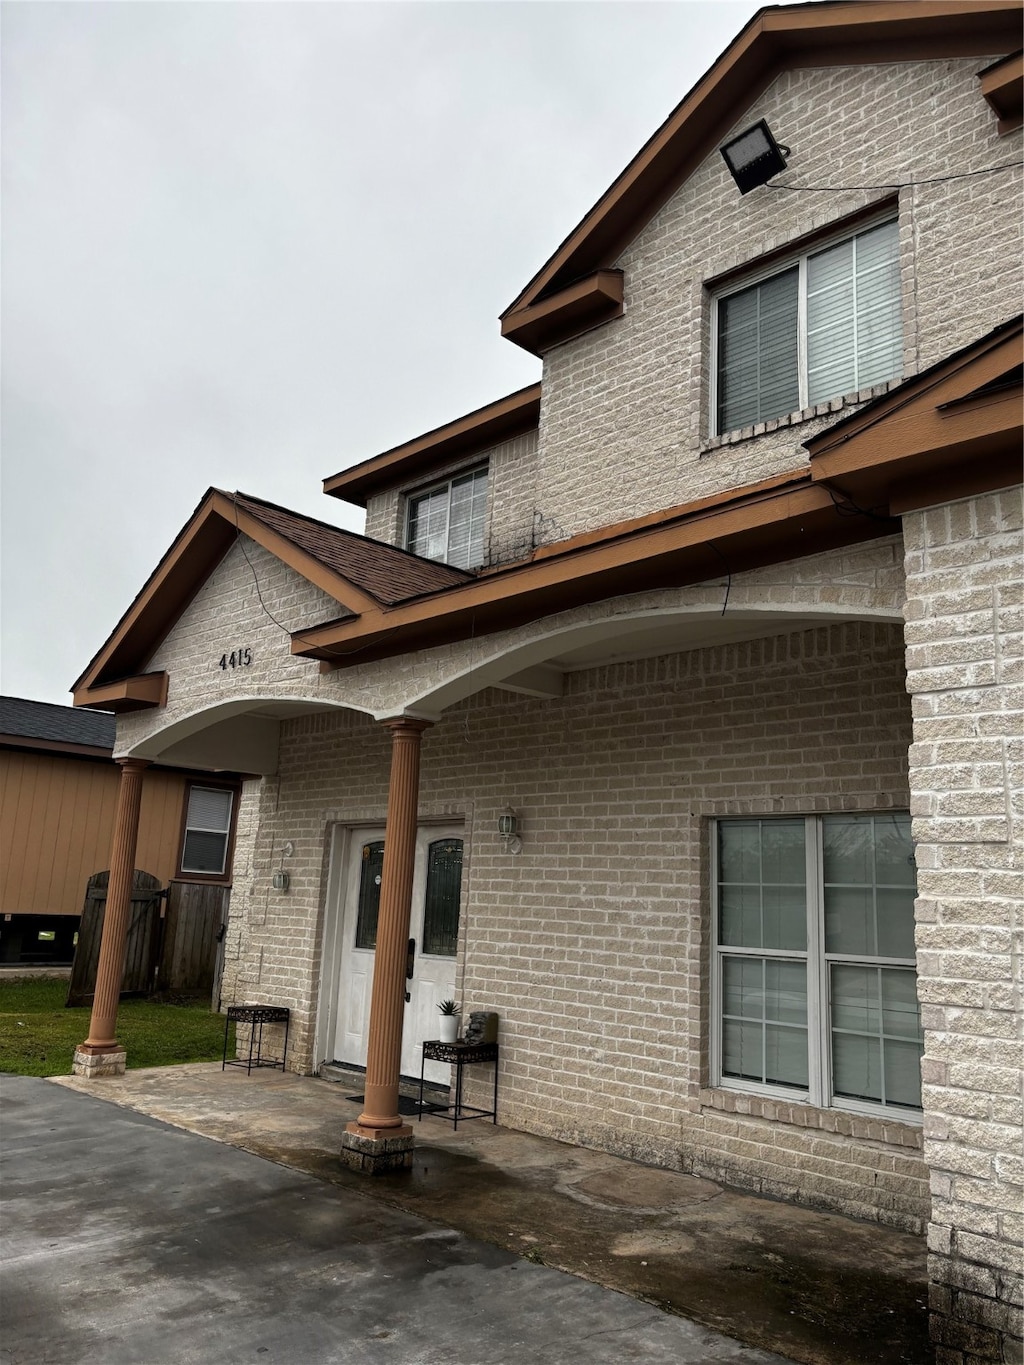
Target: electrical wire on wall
(240,539)
(897,184)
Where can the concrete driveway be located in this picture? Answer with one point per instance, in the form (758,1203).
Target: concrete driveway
(128,1242)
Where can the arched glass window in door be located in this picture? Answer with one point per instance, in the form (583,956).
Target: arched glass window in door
(369,894)
(441,908)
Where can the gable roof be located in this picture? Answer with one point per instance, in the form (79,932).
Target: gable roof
(357,572)
(45,725)
(575,289)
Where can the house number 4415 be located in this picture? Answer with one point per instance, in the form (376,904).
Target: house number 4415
(238,658)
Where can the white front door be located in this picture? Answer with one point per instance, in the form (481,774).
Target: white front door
(433,939)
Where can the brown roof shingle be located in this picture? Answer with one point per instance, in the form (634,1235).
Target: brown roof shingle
(385,572)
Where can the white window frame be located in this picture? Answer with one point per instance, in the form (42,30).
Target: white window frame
(447,483)
(799,259)
(819,1031)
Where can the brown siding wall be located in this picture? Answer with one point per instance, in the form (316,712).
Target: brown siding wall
(56,822)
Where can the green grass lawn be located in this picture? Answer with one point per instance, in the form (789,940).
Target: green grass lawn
(38,1035)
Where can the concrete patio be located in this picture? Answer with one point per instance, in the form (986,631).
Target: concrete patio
(814,1287)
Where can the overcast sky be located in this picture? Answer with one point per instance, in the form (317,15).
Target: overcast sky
(251,244)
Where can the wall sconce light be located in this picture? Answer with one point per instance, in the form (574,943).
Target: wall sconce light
(754,156)
(508,831)
(280,881)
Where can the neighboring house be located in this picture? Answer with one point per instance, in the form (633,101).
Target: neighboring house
(682,679)
(58,792)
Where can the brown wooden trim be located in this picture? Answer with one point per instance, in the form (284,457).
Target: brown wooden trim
(194,554)
(469,435)
(775,39)
(953,431)
(980,476)
(139,693)
(343,591)
(573,310)
(738,531)
(56,746)
(212,878)
(1002,84)
(946,385)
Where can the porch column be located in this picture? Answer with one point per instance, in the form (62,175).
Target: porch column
(100,1054)
(379,1140)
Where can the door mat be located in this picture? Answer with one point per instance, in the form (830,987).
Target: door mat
(405,1105)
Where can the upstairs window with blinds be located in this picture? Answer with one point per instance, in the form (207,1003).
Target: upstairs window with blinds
(825,326)
(204,849)
(449,523)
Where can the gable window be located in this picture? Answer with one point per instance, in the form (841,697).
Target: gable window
(814,974)
(826,325)
(449,522)
(204,849)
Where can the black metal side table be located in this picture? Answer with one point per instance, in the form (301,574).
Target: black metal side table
(255,1016)
(460,1055)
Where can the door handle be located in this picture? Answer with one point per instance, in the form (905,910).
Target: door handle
(410,959)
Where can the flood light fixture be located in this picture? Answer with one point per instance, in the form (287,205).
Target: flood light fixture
(754,156)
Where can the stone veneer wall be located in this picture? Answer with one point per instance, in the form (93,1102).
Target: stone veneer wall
(591,944)
(963,631)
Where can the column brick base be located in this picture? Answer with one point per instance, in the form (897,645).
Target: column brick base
(91,1065)
(377,1155)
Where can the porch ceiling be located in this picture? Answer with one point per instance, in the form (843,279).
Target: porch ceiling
(649,639)
(537,667)
(240,735)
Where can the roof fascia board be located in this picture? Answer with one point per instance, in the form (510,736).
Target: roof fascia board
(55,746)
(142,692)
(163,591)
(806,35)
(769,524)
(1002,84)
(950,380)
(475,432)
(192,557)
(578,308)
(333,584)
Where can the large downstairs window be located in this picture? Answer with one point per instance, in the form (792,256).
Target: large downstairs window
(826,325)
(449,522)
(814,971)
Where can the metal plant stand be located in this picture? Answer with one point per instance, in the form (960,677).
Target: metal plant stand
(460,1055)
(255,1016)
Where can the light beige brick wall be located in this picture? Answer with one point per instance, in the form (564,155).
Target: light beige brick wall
(964,607)
(513,480)
(591,944)
(624,417)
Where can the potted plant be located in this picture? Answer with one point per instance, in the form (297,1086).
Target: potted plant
(449,1012)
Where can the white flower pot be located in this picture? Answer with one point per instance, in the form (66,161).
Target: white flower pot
(449,1028)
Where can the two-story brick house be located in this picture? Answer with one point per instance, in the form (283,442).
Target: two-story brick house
(667,703)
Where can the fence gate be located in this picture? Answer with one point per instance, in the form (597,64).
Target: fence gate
(193,929)
(141,950)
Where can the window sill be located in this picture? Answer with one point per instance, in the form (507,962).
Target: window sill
(840,1121)
(795,419)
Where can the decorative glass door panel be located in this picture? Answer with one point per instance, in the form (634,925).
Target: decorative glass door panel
(433,934)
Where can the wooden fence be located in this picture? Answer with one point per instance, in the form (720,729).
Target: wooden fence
(174,939)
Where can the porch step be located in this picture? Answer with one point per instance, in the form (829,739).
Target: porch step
(354,1078)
